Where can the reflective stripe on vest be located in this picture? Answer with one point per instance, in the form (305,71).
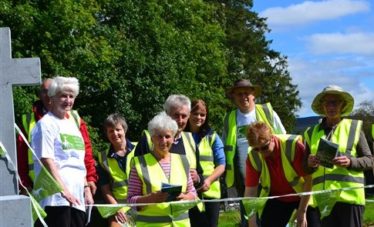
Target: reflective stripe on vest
(287,149)
(190,148)
(264,113)
(152,177)
(28,123)
(346,135)
(119,179)
(207,164)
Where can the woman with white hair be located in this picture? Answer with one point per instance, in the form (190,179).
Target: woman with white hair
(154,173)
(59,145)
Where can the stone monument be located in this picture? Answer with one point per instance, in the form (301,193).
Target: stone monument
(15,210)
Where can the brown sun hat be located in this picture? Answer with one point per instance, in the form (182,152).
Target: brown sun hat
(333,90)
(243,83)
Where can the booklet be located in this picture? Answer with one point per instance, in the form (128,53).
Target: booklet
(326,152)
(173,190)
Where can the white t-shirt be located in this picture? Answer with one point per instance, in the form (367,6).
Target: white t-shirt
(61,141)
(243,120)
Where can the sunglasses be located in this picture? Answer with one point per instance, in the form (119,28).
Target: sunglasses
(263,148)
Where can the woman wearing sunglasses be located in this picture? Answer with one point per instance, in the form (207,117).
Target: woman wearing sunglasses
(277,162)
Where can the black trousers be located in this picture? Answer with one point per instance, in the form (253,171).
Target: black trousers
(240,188)
(313,217)
(277,213)
(63,216)
(344,215)
(208,218)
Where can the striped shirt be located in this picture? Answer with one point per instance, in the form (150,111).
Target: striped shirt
(135,184)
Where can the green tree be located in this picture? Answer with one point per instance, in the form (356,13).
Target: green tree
(130,55)
(250,56)
(365,112)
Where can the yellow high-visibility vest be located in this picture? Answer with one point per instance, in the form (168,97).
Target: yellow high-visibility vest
(264,113)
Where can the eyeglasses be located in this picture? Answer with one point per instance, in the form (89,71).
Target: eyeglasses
(263,148)
(332,102)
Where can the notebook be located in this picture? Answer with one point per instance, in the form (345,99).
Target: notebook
(326,152)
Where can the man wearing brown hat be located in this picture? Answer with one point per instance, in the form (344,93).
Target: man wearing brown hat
(243,94)
(344,169)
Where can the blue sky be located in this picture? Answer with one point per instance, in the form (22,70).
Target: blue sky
(326,42)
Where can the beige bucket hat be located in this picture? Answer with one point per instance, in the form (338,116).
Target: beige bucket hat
(333,90)
(243,83)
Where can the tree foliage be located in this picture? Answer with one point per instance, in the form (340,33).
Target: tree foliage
(365,112)
(130,55)
(250,57)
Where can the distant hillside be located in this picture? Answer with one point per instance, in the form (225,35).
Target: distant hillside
(303,122)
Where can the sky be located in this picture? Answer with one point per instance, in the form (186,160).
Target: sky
(326,42)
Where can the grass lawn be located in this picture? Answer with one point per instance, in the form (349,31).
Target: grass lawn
(369,213)
(229,218)
(232,218)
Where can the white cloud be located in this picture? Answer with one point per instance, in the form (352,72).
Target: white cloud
(312,76)
(339,43)
(311,11)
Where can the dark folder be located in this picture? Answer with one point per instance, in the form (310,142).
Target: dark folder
(173,190)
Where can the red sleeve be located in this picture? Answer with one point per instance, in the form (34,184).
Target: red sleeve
(22,161)
(89,161)
(299,158)
(251,175)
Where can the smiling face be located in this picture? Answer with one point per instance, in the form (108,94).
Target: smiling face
(62,103)
(244,99)
(180,115)
(198,117)
(162,141)
(116,135)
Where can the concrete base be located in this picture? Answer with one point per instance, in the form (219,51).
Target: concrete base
(15,210)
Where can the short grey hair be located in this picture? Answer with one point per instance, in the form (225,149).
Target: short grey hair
(113,119)
(60,84)
(176,101)
(162,121)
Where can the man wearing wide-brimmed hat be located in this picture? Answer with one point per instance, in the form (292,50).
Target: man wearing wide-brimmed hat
(243,94)
(351,156)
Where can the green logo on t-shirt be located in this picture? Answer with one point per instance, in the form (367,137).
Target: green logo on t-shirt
(71,142)
(242,131)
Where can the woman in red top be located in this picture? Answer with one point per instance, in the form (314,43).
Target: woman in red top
(267,147)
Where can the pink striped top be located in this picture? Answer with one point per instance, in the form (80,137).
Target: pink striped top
(135,184)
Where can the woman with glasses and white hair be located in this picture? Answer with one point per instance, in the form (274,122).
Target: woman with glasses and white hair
(59,145)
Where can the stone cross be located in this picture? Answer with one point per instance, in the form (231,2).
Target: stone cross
(13,72)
